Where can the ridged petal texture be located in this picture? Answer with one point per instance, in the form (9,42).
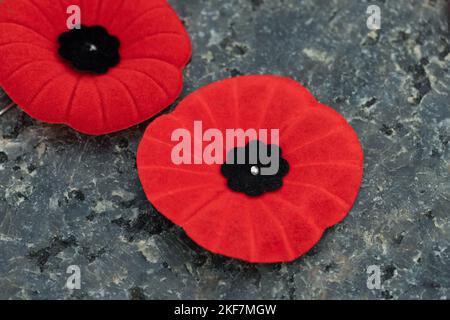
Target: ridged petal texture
(324,155)
(154,49)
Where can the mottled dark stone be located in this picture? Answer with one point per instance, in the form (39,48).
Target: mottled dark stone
(70,199)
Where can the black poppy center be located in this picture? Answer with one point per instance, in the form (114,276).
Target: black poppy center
(90,49)
(255,169)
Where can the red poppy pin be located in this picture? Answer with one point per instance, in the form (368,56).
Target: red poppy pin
(119,66)
(271,207)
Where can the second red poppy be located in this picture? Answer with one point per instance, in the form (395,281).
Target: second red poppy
(232,208)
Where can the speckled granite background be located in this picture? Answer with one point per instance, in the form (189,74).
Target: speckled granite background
(68,199)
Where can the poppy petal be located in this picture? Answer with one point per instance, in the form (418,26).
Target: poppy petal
(231,228)
(12,33)
(66,84)
(158,75)
(35,15)
(110,9)
(87,108)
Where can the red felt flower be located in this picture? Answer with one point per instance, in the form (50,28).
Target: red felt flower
(230,209)
(120,68)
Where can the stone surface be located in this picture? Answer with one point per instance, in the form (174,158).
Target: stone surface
(69,199)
